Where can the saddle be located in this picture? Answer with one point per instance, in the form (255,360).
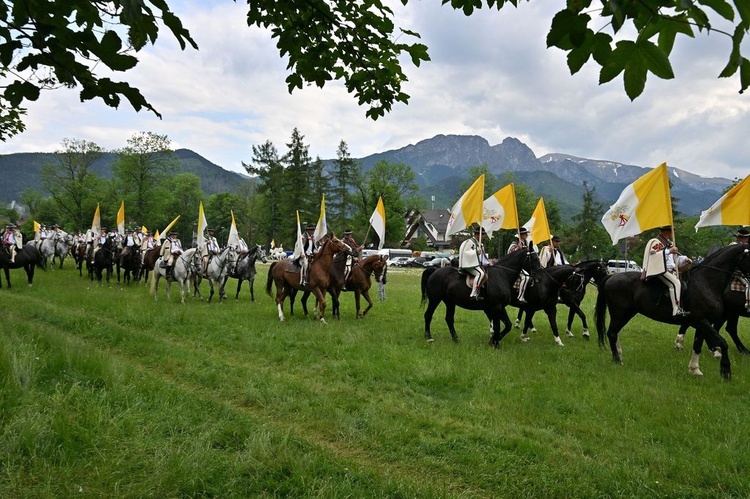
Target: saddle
(470,280)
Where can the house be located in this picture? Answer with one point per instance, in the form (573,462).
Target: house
(429,223)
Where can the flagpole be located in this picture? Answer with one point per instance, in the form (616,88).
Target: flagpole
(366,234)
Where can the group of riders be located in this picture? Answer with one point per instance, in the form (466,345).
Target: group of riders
(310,248)
(661,260)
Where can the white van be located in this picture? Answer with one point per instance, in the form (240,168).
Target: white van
(617,266)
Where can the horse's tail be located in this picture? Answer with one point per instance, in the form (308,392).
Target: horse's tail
(600,311)
(425,277)
(269,280)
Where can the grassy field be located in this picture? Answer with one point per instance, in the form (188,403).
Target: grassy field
(106,393)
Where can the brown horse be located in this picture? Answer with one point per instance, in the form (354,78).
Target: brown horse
(286,275)
(148,261)
(358,281)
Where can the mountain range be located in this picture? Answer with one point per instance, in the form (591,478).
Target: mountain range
(441,165)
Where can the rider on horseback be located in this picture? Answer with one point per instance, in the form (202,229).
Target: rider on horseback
(12,241)
(520,243)
(552,254)
(308,252)
(132,243)
(147,243)
(172,248)
(99,242)
(210,249)
(471,258)
(659,260)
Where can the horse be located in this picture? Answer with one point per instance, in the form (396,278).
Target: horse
(542,294)
(63,242)
(449,285)
(572,292)
(27,258)
(286,275)
(79,256)
(149,259)
(357,281)
(735,306)
(245,269)
(103,261)
(130,262)
(218,269)
(47,249)
(185,265)
(626,295)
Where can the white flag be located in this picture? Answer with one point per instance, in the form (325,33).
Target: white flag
(377,220)
(322,228)
(202,224)
(299,250)
(234,237)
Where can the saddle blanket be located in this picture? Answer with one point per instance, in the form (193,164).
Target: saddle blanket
(737,285)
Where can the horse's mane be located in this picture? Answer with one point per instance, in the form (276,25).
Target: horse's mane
(720,254)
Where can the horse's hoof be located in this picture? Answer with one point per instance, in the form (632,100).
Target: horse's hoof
(695,371)
(569,333)
(533,330)
(430,340)
(517,325)
(586,335)
(558,341)
(323,321)
(726,374)
(678,347)
(525,338)
(717,354)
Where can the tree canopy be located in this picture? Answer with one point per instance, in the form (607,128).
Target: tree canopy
(44,45)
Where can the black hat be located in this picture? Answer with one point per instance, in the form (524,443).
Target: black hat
(347,232)
(310,227)
(103,228)
(523,230)
(209,229)
(665,228)
(129,229)
(742,233)
(173,233)
(556,238)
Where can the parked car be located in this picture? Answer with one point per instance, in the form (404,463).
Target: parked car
(437,261)
(398,261)
(617,266)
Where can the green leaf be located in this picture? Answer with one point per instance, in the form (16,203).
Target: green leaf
(744,75)
(743,7)
(721,7)
(655,60)
(18,91)
(617,61)
(635,80)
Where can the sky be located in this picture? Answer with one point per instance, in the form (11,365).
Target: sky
(490,75)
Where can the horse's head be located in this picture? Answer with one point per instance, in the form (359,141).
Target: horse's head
(531,262)
(743,266)
(260,253)
(334,245)
(378,267)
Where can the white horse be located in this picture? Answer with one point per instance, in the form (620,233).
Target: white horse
(184,267)
(63,244)
(277,254)
(218,270)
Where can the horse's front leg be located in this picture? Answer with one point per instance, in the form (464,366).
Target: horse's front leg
(320,295)
(575,309)
(496,315)
(239,286)
(528,325)
(713,339)
(366,294)
(732,323)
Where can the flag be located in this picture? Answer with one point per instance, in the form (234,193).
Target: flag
(165,232)
(377,220)
(273,243)
(202,224)
(468,209)
(538,225)
(643,205)
(298,249)
(733,208)
(156,235)
(322,228)
(499,211)
(234,237)
(144,230)
(121,219)
(96,223)
(36,226)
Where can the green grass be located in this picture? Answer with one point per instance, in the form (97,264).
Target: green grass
(105,392)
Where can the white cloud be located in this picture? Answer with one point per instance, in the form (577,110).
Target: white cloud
(490,75)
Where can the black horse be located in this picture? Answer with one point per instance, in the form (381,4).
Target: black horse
(130,262)
(448,285)
(244,270)
(103,261)
(626,295)
(572,292)
(542,294)
(735,306)
(27,258)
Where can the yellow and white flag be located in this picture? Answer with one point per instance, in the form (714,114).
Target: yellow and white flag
(733,208)
(234,237)
(538,225)
(202,224)
(500,211)
(273,243)
(321,229)
(96,223)
(121,219)
(165,232)
(377,220)
(36,226)
(144,230)
(298,248)
(468,209)
(643,205)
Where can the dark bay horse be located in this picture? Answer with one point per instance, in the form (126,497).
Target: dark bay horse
(130,263)
(104,260)
(245,269)
(626,295)
(27,258)
(572,292)
(448,285)
(149,259)
(286,275)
